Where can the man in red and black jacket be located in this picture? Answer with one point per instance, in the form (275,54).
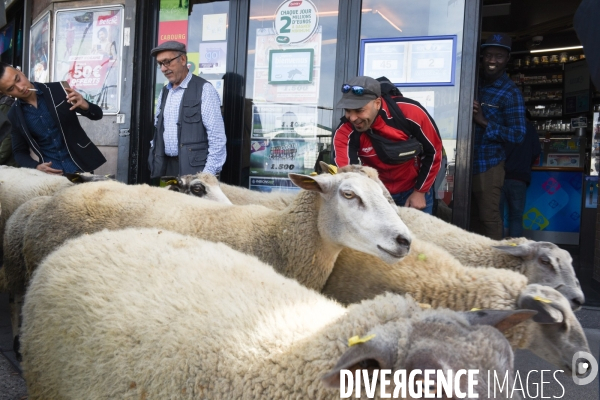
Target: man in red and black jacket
(410,183)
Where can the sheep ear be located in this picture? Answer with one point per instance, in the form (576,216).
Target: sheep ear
(499,319)
(548,311)
(521,250)
(374,354)
(307,182)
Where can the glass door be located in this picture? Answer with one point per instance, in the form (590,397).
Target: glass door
(289,89)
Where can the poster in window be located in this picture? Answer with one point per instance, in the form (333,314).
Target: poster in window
(87,53)
(39,49)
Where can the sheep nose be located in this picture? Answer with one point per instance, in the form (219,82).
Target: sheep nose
(402,241)
(578,301)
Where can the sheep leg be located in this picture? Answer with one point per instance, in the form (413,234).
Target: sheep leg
(16,305)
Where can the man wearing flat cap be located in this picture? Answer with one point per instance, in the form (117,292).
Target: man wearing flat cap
(190,134)
(395,118)
(499,116)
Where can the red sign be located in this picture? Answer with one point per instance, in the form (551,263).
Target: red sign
(89,72)
(295,3)
(173,30)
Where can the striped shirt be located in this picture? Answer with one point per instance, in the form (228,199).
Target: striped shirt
(504,108)
(47,134)
(211,118)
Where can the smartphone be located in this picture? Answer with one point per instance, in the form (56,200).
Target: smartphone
(65,85)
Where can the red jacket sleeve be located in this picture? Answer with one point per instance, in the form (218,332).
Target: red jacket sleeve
(428,134)
(346,144)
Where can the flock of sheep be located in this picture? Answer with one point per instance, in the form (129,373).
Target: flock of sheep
(141,292)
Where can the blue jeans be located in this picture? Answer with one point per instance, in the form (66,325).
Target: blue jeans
(514,194)
(400,199)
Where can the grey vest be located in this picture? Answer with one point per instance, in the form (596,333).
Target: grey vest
(191,134)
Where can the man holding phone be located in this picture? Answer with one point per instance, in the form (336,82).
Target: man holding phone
(45,120)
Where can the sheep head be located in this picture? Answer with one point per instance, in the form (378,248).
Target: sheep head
(203,185)
(354,212)
(436,339)
(547,264)
(557,335)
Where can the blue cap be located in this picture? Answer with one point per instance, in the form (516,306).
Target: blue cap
(498,40)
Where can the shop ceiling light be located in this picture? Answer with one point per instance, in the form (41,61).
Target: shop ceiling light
(556,49)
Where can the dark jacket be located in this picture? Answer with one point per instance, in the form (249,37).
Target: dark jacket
(6,154)
(191,134)
(520,157)
(83,152)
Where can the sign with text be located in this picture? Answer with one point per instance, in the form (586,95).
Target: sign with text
(87,54)
(295,21)
(416,61)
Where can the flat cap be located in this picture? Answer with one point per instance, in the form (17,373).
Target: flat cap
(171,45)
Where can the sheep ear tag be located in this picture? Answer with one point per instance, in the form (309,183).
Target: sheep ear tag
(73,177)
(306,182)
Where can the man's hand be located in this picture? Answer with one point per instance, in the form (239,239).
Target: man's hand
(46,167)
(76,100)
(416,200)
(478,116)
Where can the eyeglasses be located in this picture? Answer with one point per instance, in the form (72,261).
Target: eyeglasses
(166,63)
(356,90)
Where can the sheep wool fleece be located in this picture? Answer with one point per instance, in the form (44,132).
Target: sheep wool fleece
(153,314)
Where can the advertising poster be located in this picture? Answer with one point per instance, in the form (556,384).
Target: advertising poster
(87,54)
(39,49)
(273,121)
(590,191)
(214,27)
(595,154)
(304,93)
(278,157)
(213,57)
(563,160)
(553,202)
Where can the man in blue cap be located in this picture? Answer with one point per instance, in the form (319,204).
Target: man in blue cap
(499,116)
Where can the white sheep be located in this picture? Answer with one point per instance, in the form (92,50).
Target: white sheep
(301,241)
(542,262)
(432,276)
(153,314)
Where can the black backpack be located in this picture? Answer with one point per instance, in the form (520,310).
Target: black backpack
(390,151)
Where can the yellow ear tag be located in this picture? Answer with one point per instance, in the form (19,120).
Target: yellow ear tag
(356,340)
(421,257)
(424,306)
(171,182)
(332,169)
(512,244)
(543,300)
(475,309)
(313,173)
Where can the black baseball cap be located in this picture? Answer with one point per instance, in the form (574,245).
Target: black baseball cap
(498,40)
(351,100)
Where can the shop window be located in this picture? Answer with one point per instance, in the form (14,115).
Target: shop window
(409,22)
(289,89)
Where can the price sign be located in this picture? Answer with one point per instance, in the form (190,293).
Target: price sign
(385,64)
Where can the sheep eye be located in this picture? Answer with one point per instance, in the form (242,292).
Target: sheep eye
(544,261)
(348,194)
